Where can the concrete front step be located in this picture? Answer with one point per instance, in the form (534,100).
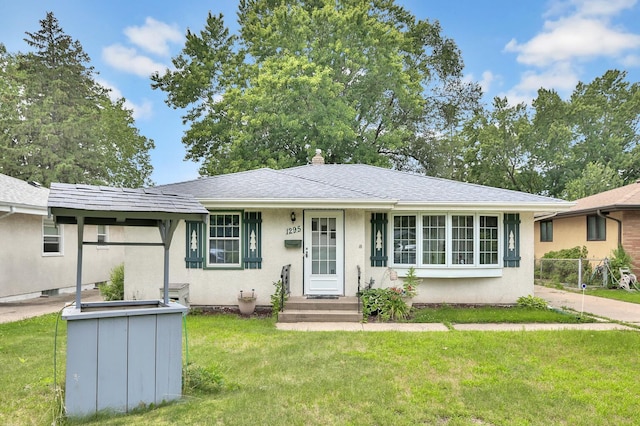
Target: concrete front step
(339,304)
(301,309)
(289,315)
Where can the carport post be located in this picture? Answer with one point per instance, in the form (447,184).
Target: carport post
(79,265)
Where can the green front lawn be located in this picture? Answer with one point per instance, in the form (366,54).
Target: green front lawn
(274,377)
(492,314)
(617,294)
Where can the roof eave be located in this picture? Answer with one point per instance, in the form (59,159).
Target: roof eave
(594,210)
(24,209)
(493,206)
(296,203)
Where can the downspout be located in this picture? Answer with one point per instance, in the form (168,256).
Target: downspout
(599,213)
(11,211)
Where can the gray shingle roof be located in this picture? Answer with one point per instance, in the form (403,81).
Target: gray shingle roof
(352,183)
(107,199)
(15,192)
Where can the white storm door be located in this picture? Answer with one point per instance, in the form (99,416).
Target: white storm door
(324,253)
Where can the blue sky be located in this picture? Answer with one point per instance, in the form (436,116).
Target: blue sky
(510,47)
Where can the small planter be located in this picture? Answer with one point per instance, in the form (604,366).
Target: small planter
(247,302)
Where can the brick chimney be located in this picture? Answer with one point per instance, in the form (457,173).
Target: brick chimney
(318,158)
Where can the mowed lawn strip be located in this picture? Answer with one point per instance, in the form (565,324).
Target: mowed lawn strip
(359,378)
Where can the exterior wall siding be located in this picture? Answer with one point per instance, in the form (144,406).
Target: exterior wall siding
(572,231)
(631,237)
(26,272)
(143,278)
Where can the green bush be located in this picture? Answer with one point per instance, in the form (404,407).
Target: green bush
(276,298)
(619,259)
(385,303)
(114,289)
(532,302)
(564,271)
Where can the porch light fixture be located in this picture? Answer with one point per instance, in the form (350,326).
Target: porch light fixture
(293,216)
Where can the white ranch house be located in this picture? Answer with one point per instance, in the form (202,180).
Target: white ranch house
(469,243)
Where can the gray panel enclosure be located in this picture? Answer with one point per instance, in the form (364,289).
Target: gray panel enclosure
(130,358)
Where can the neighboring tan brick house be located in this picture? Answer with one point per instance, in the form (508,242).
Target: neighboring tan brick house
(599,222)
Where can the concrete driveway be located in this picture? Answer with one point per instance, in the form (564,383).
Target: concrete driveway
(16,311)
(598,306)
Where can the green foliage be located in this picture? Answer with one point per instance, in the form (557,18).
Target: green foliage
(385,303)
(564,270)
(276,298)
(114,289)
(58,124)
(563,148)
(532,302)
(595,178)
(576,252)
(619,259)
(196,378)
(364,81)
(410,283)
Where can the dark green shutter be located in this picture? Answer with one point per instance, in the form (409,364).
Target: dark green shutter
(194,244)
(252,240)
(378,239)
(512,240)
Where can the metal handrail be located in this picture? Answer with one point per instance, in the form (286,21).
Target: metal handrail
(285,288)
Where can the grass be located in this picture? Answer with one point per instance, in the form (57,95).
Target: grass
(356,378)
(492,314)
(617,294)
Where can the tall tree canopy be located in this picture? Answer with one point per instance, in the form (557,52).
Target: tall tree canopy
(59,124)
(564,148)
(364,81)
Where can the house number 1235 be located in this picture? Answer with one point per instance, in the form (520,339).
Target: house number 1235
(294,230)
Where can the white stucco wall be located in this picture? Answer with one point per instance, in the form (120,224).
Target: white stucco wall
(27,271)
(144,267)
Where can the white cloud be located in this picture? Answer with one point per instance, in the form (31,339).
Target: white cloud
(139,111)
(574,37)
(129,60)
(485,83)
(631,61)
(154,36)
(486,80)
(562,77)
(574,33)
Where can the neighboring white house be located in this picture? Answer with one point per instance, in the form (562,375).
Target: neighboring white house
(469,243)
(39,258)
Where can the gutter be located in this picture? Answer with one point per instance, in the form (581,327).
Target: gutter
(606,216)
(11,211)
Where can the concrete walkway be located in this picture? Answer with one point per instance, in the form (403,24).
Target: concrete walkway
(598,306)
(16,311)
(606,309)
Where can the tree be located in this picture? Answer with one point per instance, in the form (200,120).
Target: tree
(364,81)
(595,178)
(498,148)
(67,129)
(605,118)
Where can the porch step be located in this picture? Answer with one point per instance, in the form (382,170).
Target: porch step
(301,309)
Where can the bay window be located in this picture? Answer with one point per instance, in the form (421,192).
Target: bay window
(446,240)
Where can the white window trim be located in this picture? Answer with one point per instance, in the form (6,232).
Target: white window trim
(106,237)
(60,252)
(449,269)
(240,240)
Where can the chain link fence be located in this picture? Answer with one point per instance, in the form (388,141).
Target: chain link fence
(574,272)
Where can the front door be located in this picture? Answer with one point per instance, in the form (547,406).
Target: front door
(324,253)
